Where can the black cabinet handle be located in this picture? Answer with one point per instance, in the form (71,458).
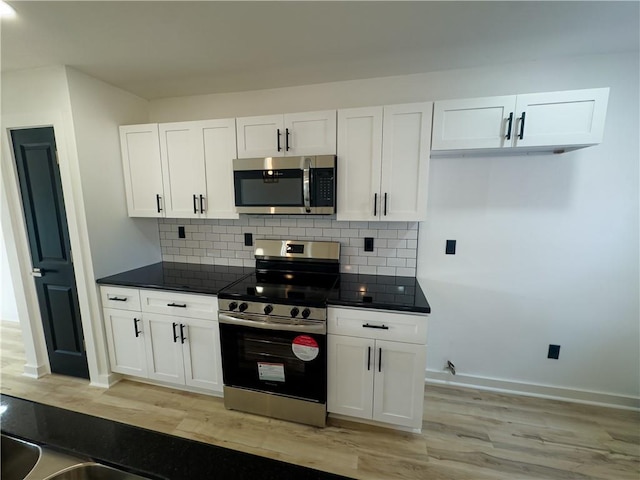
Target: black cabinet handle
(286,139)
(368,358)
(118,299)
(379,359)
(509,126)
(278,136)
(182,337)
(521,136)
(175,335)
(181,305)
(380,327)
(201,203)
(375,204)
(158,202)
(385,204)
(195,203)
(135,327)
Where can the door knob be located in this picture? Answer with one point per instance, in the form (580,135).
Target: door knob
(36,272)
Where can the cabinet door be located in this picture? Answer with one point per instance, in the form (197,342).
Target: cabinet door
(183,169)
(217,139)
(125,341)
(473,123)
(359,163)
(350,367)
(406,134)
(260,136)
(398,396)
(561,118)
(310,133)
(140,147)
(201,350)
(164,348)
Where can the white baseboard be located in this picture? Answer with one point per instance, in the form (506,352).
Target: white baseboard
(534,390)
(106,381)
(35,371)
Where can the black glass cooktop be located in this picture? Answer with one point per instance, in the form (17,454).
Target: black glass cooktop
(289,288)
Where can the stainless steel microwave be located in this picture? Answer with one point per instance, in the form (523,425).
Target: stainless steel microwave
(285,185)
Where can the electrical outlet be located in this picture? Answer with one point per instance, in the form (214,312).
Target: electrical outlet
(554,352)
(368,244)
(181,233)
(451,247)
(248,239)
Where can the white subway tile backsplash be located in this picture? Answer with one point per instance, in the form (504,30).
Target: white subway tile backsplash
(221,242)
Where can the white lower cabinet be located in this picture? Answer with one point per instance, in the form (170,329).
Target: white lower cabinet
(167,347)
(125,341)
(372,378)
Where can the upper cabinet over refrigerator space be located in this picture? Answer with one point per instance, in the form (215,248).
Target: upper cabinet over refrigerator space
(291,134)
(552,122)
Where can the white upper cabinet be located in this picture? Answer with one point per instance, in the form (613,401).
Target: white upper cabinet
(574,118)
(540,122)
(140,147)
(180,170)
(383,162)
(183,170)
(308,133)
(359,163)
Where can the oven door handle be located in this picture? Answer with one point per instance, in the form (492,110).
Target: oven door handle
(319,328)
(306,184)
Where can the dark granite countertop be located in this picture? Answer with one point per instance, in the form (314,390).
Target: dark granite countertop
(354,290)
(145,452)
(183,277)
(381,292)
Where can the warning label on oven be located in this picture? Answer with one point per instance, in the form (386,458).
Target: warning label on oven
(273,372)
(305,348)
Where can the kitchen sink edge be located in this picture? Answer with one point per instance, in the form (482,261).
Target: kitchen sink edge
(54,465)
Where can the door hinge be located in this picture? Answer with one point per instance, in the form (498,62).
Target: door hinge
(57,158)
(71,255)
(84,345)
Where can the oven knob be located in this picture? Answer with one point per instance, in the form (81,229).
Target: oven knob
(243,307)
(295,312)
(268,309)
(233,306)
(305,313)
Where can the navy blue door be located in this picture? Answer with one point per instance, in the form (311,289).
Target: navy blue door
(46,221)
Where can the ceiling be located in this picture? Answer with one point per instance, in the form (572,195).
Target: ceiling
(175,48)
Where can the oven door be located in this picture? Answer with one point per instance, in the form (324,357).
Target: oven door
(287,360)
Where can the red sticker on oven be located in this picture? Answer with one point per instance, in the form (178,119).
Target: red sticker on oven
(305,348)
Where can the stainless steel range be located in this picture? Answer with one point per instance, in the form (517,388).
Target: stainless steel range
(273,331)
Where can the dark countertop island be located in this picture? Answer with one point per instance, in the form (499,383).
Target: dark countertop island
(353,290)
(141,451)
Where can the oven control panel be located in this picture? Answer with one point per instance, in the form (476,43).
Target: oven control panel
(292,312)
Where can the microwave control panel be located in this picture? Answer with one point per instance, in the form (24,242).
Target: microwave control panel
(324,187)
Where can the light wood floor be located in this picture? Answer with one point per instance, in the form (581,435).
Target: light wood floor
(467,434)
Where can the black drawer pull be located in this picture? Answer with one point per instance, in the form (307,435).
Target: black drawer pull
(181,305)
(182,337)
(135,327)
(369,358)
(118,299)
(380,359)
(158,203)
(375,204)
(381,327)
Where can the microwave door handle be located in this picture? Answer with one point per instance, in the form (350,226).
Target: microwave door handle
(306,184)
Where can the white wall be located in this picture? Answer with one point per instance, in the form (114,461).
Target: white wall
(547,246)
(8,306)
(118,243)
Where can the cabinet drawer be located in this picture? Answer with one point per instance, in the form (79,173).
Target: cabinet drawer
(179,304)
(120,298)
(377,324)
